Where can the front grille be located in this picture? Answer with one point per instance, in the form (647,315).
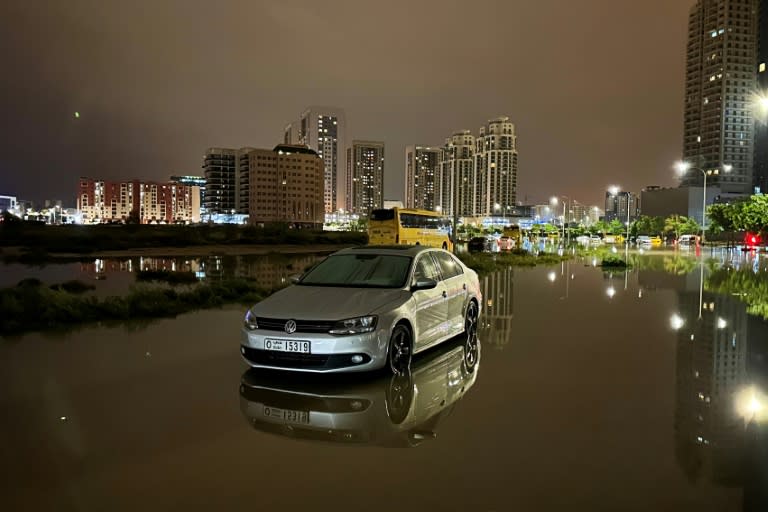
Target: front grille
(300,361)
(278,324)
(297,432)
(300,402)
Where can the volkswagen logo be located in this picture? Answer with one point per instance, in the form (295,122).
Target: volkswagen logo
(290,326)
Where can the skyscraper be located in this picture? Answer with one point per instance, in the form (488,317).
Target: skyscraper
(422,164)
(365,176)
(496,167)
(760,175)
(226,181)
(720,82)
(458,169)
(324,130)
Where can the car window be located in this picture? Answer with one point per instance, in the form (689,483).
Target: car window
(425,269)
(448,267)
(359,270)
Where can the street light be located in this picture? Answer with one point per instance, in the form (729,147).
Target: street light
(682,168)
(554,200)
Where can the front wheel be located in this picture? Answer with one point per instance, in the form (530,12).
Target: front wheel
(400,350)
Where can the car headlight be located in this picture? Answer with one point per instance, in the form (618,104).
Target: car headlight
(355,325)
(250,321)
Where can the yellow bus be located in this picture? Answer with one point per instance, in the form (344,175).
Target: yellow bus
(409,227)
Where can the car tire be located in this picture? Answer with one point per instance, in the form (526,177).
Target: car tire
(445,246)
(399,353)
(471,317)
(399,396)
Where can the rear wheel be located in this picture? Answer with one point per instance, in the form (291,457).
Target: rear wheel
(470,341)
(445,246)
(400,350)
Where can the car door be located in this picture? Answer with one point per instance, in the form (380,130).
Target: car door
(429,304)
(456,290)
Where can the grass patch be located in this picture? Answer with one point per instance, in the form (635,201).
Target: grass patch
(41,240)
(486,263)
(31,306)
(614,262)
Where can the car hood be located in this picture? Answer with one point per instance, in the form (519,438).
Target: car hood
(326,303)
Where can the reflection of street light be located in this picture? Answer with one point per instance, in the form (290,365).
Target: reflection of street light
(721,323)
(552,276)
(676,322)
(610,292)
(684,167)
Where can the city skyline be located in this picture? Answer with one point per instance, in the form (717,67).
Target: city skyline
(151,95)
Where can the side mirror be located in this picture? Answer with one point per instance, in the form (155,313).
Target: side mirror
(295,278)
(424,284)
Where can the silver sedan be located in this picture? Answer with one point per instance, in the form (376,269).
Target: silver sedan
(362,309)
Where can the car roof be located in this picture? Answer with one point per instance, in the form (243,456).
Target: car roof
(395,250)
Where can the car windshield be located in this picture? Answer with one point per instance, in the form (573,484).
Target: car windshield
(360,271)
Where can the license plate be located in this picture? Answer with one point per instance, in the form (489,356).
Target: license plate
(301,347)
(287,415)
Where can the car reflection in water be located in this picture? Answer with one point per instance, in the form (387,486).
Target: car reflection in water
(392,411)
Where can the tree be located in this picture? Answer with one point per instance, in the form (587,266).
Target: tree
(616,227)
(133,217)
(680,225)
(754,214)
(646,225)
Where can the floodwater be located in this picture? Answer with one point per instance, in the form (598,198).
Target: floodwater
(592,390)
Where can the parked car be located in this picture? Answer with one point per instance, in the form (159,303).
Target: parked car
(364,308)
(687,239)
(482,244)
(477,244)
(506,243)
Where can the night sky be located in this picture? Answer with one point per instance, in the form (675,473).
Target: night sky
(594,87)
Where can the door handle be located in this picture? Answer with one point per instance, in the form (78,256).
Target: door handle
(445,294)
(464,286)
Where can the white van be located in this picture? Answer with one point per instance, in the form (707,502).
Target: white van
(687,239)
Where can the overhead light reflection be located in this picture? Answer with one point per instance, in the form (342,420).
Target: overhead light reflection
(721,323)
(610,292)
(552,276)
(676,322)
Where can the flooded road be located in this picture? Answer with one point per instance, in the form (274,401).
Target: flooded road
(592,390)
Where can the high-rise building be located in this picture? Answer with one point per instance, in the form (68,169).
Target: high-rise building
(323,129)
(291,133)
(621,206)
(286,186)
(457,180)
(194,181)
(365,176)
(760,174)
(496,167)
(719,85)
(226,181)
(422,164)
(146,202)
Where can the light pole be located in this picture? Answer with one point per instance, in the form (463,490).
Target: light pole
(554,200)
(682,168)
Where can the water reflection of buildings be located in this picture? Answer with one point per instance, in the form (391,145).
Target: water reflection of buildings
(721,354)
(499,308)
(268,271)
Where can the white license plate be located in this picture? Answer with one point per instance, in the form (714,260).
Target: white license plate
(298,346)
(287,415)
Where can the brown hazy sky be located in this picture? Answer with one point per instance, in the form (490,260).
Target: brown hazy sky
(594,87)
